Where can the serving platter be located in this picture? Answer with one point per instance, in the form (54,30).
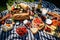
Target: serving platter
(11,35)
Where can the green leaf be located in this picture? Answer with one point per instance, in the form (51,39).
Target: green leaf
(10,2)
(8,7)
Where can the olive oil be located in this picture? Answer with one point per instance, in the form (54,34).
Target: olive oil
(40,4)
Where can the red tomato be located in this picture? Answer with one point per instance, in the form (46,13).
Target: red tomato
(37,20)
(47,29)
(21,31)
(55,22)
(59,23)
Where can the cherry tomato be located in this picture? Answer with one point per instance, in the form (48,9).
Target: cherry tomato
(21,31)
(37,20)
(55,22)
(47,29)
(59,23)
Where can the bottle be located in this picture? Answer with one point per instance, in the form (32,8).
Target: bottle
(39,6)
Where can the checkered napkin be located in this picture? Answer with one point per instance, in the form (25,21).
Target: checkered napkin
(11,35)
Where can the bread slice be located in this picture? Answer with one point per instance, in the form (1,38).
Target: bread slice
(34,30)
(52,33)
(52,30)
(38,25)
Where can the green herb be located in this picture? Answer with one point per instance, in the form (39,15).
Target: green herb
(10,2)
(8,7)
(35,15)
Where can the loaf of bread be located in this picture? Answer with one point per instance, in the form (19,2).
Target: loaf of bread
(21,16)
(24,6)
